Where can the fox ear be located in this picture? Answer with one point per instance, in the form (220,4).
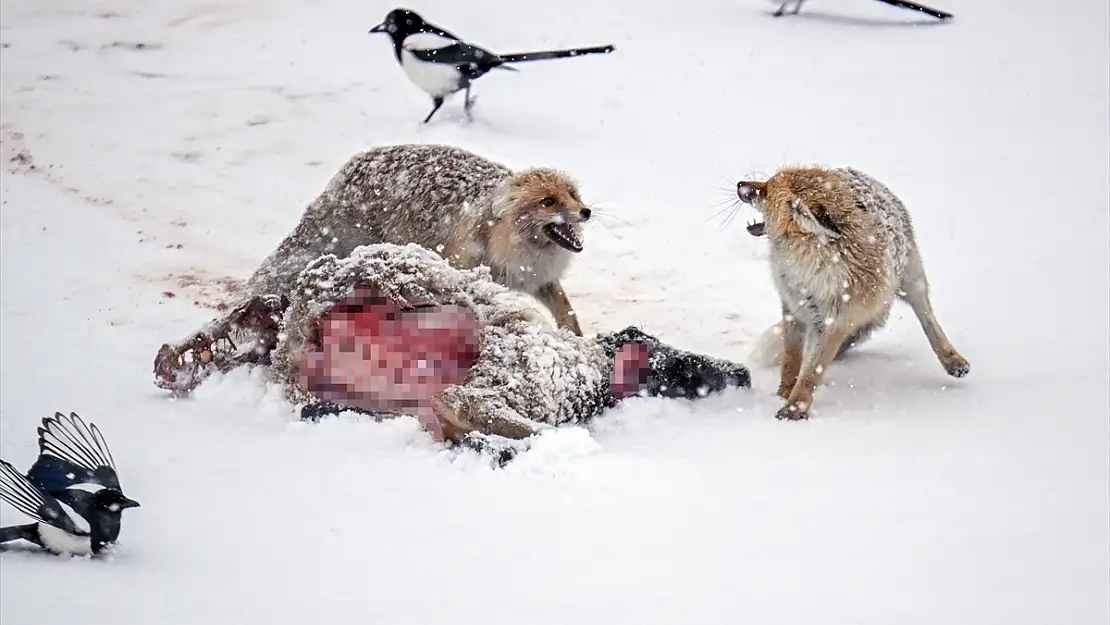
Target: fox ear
(749,191)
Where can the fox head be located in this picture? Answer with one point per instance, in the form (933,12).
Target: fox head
(542,209)
(798,201)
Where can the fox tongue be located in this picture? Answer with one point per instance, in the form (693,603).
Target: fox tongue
(564,236)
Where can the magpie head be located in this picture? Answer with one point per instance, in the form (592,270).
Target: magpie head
(112,501)
(400,23)
(104,515)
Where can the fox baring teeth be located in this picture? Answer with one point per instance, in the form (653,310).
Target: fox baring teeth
(524,225)
(842,249)
(564,235)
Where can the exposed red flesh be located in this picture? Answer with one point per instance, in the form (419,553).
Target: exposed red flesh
(377,355)
(630,370)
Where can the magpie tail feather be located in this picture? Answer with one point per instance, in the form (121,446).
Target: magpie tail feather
(523,57)
(913,6)
(20,493)
(20,532)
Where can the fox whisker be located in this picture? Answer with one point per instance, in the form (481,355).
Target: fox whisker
(605,214)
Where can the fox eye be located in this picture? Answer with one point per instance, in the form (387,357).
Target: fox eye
(547,202)
(822,217)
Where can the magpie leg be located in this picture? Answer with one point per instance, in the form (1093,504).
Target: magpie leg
(27,532)
(782,8)
(468,103)
(438,102)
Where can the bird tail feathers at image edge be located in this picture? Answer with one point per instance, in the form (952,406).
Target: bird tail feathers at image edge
(767,350)
(20,493)
(524,57)
(18,532)
(913,6)
(901,4)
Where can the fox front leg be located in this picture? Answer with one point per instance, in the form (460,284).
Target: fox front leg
(818,352)
(555,299)
(792,341)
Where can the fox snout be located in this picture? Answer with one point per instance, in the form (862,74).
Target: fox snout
(565,209)
(749,192)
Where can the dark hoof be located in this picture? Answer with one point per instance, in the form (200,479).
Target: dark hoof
(500,450)
(313,413)
(691,376)
(317,411)
(674,372)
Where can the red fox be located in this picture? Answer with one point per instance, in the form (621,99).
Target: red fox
(525,225)
(842,248)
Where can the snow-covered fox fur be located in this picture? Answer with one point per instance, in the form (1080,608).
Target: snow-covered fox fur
(525,226)
(842,248)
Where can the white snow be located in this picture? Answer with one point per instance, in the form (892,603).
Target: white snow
(909,497)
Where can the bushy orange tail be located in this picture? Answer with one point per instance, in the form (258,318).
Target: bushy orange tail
(767,351)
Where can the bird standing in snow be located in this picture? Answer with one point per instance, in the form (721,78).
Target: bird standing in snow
(72,491)
(441,64)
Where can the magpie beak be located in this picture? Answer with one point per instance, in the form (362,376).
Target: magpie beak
(380,28)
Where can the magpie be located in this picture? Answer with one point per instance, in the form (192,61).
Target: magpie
(441,64)
(902,4)
(72,490)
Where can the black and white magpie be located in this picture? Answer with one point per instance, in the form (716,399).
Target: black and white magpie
(902,4)
(72,490)
(440,64)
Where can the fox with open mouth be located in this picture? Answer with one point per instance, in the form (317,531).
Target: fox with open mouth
(524,225)
(842,251)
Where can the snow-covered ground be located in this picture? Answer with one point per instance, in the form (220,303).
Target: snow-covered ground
(154,147)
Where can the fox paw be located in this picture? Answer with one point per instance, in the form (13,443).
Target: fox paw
(957,366)
(792,412)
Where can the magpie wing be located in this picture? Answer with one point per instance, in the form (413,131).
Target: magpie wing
(24,496)
(72,452)
(436,30)
(458,54)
